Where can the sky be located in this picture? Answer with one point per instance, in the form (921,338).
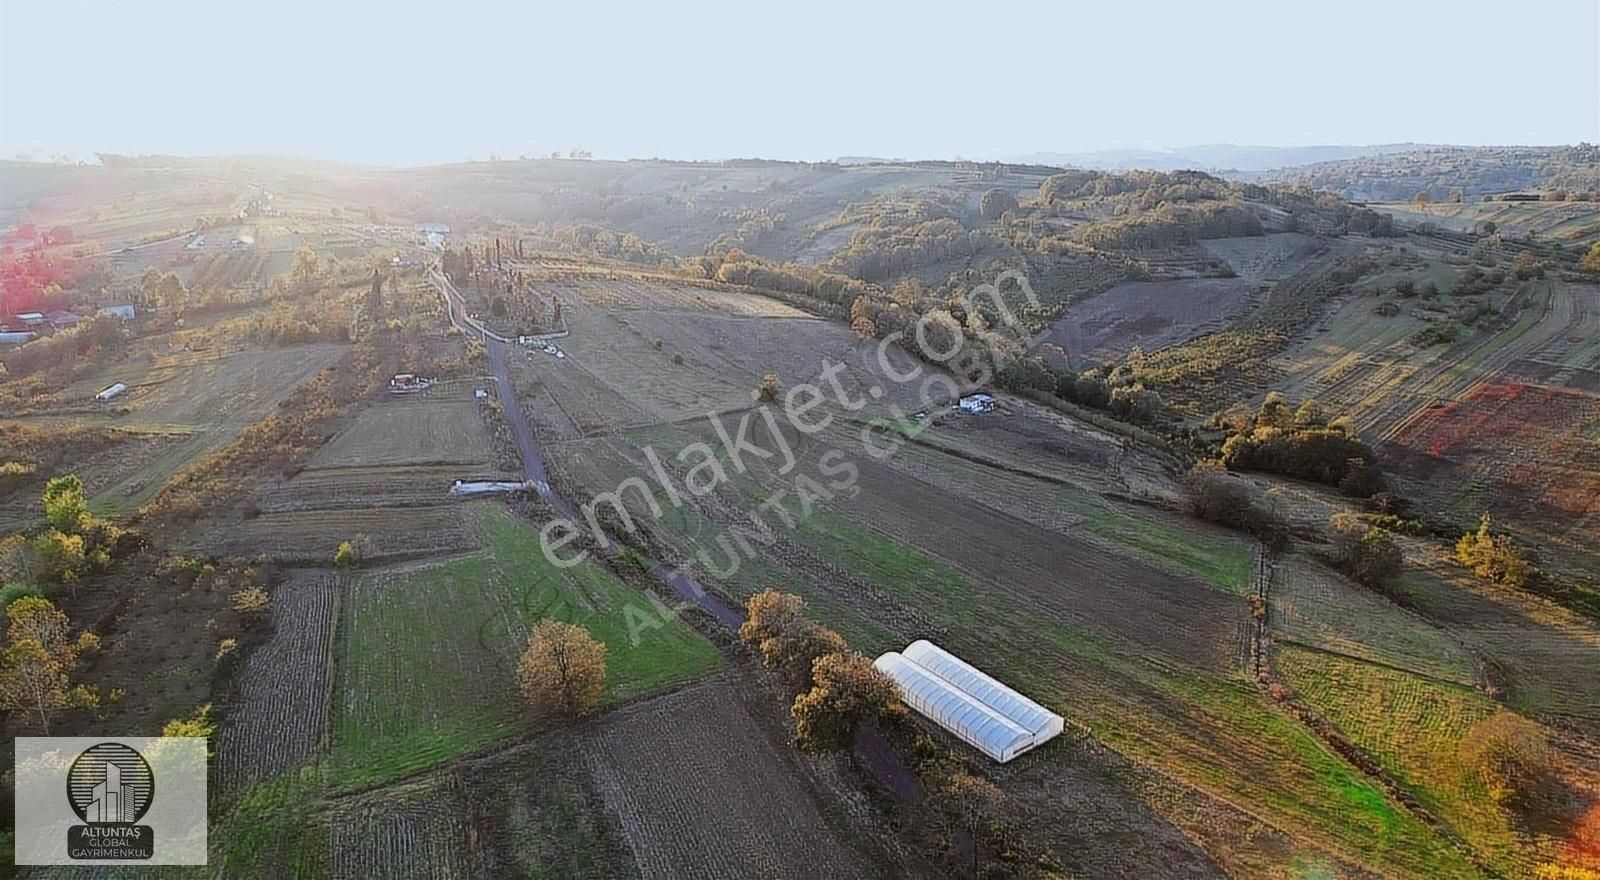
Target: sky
(403,83)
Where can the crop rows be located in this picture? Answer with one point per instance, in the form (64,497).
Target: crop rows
(280,714)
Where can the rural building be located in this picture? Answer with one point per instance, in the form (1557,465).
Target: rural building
(976,403)
(433,234)
(111,391)
(408,383)
(979,710)
(16,337)
(61,318)
(30,319)
(125,312)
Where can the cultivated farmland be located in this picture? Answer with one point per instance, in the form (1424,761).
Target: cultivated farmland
(280,716)
(738,810)
(190,403)
(408,697)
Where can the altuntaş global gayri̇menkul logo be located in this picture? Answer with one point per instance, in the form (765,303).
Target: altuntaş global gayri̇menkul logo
(110,787)
(111,800)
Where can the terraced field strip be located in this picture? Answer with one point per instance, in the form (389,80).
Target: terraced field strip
(279,717)
(1414,727)
(437,429)
(312,537)
(735,810)
(416,831)
(206,399)
(1317,607)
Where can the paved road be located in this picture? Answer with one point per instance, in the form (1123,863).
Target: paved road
(501,350)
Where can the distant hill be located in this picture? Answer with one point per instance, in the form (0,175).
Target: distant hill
(1445,172)
(1211,157)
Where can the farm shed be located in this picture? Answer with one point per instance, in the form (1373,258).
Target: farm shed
(125,312)
(979,710)
(976,403)
(111,391)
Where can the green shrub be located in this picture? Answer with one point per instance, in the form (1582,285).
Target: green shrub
(12,592)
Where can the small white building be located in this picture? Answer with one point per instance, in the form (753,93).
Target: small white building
(976,403)
(111,391)
(125,312)
(979,710)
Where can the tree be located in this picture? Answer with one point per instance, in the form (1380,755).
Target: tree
(1583,846)
(64,505)
(346,554)
(975,803)
(31,679)
(1422,197)
(563,669)
(62,558)
(1367,554)
(1509,754)
(1136,403)
(769,613)
(995,203)
(37,619)
(795,651)
(1591,260)
(767,392)
(1220,497)
(776,627)
(1493,557)
(847,691)
(306,267)
(199,723)
(36,666)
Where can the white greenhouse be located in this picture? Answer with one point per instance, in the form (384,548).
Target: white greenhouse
(981,711)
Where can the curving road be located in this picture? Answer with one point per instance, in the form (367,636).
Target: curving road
(533,468)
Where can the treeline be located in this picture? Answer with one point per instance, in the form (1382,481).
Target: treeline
(883,251)
(60,355)
(1170,226)
(831,291)
(1303,443)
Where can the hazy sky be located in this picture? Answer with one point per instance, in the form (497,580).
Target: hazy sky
(404,83)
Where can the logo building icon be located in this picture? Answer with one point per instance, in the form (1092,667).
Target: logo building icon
(110,787)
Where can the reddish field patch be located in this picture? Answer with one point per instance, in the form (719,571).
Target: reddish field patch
(1534,442)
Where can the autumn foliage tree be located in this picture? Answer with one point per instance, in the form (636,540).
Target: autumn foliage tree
(1366,553)
(39,658)
(64,505)
(1493,557)
(847,692)
(776,627)
(563,669)
(1509,754)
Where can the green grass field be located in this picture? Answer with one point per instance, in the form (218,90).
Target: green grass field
(426,656)
(1319,608)
(1413,726)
